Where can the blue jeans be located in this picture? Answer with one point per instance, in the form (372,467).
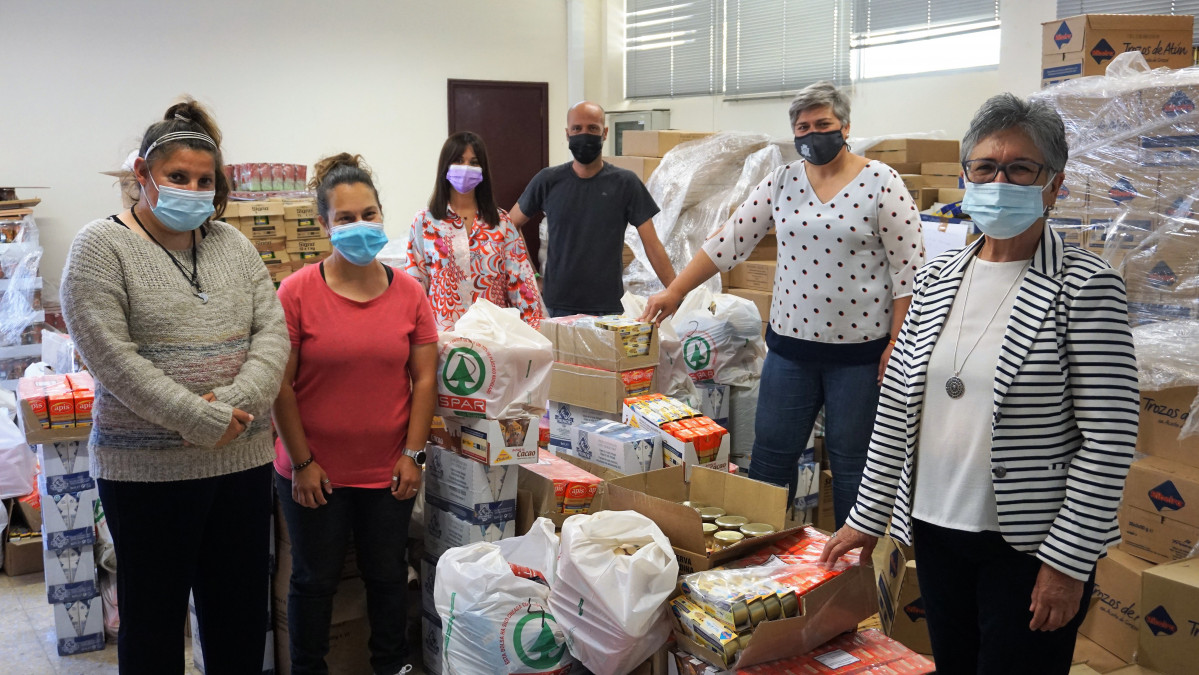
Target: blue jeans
(790,398)
(319,538)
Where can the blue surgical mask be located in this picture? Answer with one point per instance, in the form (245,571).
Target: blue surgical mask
(1004,210)
(182,210)
(358,242)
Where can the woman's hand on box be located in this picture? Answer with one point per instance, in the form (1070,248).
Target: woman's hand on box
(845,540)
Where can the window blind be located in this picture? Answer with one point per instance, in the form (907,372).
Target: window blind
(672,47)
(873,18)
(785,45)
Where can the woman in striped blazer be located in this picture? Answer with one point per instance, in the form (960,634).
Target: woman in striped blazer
(1007,423)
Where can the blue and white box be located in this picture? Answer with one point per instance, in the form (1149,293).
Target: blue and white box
(471,490)
(70,574)
(564,417)
(431,642)
(68,520)
(428,580)
(79,626)
(64,467)
(618,446)
(714,402)
(444,530)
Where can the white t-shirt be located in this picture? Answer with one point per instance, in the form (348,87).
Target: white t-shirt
(953,454)
(840,262)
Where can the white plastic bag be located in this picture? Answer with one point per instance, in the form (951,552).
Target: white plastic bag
(674,379)
(18,464)
(743,412)
(613,607)
(721,337)
(493,365)
(493,621)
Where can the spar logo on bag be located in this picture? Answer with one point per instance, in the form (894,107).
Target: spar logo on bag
(1166,497)
(531,637)
(1102,51)
(699,355)
(1063,35)
(1159,622)
(467,367)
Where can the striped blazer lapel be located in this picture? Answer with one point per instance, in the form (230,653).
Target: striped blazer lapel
(936,300)
(1035,301)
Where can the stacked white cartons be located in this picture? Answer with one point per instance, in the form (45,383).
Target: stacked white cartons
(69,497)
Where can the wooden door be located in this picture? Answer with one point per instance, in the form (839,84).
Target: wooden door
(512,118)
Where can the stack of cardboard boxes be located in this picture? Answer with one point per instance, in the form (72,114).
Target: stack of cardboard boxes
(1085,45)
(285,232)
(927,166)
(642,151)
(56,416)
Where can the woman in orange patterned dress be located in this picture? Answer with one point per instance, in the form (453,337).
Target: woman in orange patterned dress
(463,248)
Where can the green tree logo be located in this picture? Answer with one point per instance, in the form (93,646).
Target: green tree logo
(697,352)
(464,371)
(545,651)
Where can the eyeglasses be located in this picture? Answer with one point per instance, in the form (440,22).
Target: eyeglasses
(1019,172)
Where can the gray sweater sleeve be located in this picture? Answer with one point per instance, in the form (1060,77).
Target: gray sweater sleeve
(96,308)
(257,384)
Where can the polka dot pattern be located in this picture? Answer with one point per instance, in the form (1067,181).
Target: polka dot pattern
(844,259)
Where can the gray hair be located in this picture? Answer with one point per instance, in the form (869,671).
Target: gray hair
(820,94)
(1036,118)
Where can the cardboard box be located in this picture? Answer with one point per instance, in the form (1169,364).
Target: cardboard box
(1115,608)
(428,584)
(79,626)
(1094,658)
(900,605)
(66,460)
(828,610)
(618,446)
(900,150)
(1074,231)
(918,181)
(577,342)
(657,494)
(431,642)
(444,530)
(471,490)
(70,574)
(642,166)
(553,479)
(23,555)
(755,275)
(309,245)
(950,195)
(1155,538)
(1163,487)
(1170,621)
(300,210)
(714,401)
(596,389)
(953,169)
(852,653)
(564,416)
(1085,45)
(1163,413)
(491,442)
(766,250)
(296,230)
(1072,195)
(760,298)
(68,520)
(676,452)
(273,248)
(261,220)
(826,517)
(657,143)
(924,198)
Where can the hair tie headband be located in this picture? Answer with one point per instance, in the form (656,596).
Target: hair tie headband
(179,136)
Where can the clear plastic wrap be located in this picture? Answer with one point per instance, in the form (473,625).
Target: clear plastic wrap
(1131,195)
(697,186)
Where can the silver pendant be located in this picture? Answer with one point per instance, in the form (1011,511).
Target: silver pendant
(955,387)
(202,296)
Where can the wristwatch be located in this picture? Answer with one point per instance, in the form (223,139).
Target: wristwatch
(417,456)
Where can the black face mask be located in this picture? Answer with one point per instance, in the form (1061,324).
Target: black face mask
(820,147)
(586,147)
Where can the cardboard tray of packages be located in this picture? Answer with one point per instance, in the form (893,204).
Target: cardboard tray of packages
(536,494)
(832,608)
(676,452)
(492,442)
(36,435)
(656,495)
(595,347)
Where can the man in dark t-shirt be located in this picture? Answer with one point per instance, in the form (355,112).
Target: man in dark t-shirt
(588,204)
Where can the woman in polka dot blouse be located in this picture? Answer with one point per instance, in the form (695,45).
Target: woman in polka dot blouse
(849,245)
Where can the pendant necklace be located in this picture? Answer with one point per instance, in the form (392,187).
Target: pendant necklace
(954,385)
(193,279)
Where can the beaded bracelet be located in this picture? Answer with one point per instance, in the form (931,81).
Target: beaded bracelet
(303,464)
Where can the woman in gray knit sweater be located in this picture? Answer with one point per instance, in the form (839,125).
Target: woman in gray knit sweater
(176,317)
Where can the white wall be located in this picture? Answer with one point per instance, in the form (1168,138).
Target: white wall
(286,81)
(920,103)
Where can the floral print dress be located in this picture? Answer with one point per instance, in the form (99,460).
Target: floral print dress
(457,266)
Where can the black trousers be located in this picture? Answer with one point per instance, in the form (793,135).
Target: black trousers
(210,536)
(977,590)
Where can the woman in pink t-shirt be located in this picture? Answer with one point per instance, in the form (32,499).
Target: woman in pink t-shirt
(352,430)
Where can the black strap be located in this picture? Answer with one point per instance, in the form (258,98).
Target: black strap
(391,275)
(194,279)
